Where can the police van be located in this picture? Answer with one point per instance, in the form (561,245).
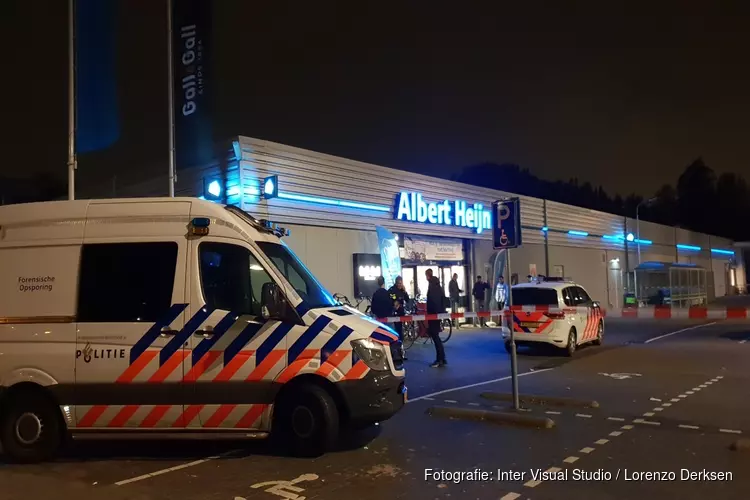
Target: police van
(554,311)
(176,317)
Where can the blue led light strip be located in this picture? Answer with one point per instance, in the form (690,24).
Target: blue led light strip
(722,252)
(688,247)
(334,203)
(577,233)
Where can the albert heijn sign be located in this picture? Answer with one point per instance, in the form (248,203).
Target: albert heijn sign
(411,206)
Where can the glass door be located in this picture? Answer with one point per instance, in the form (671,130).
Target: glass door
(421,280)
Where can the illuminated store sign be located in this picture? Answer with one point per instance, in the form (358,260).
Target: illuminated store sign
(369,273)
(411,207)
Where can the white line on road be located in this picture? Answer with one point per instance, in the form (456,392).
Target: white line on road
(685,426)
(648,414)
(571,460)
(446,391)
(719,377)
(666,404)
(655,399)
(647,422)
(171,469)
(730,431)
(616,419)
(659,409)
(586,450)
(552,412)
(583,415)
(703,386)
(450,401)
(601,441)
(473,404)
(679,331)
(532,484)
(626,427)
(675,400)
(615,433)
(510,496)
(683,396)
(689,392)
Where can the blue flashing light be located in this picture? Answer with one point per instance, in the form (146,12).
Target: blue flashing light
(577,233)
(722,252)
(214,189)
(631,237)
(691,248)
(269,187)
(334,203)
(233,191)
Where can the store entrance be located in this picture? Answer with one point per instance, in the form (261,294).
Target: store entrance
(416,282)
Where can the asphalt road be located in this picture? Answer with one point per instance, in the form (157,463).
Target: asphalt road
(671,395)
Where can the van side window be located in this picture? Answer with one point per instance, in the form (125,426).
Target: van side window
(231,277)
(126,282)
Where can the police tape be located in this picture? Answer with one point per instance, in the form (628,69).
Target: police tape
(657,312)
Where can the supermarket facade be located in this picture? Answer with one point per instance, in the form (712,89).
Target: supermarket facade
(332,206)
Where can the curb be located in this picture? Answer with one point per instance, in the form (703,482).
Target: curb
(497,417)
(532,399)
(741,445)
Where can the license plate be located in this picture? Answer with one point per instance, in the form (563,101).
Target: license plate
(529,325)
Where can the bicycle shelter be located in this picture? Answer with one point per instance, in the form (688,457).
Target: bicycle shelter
(674,284)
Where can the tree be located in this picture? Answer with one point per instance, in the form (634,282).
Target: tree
(696,196)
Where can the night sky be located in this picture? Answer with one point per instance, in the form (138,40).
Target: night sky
(623,96)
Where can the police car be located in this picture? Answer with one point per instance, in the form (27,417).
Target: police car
(554,311)
(176,317)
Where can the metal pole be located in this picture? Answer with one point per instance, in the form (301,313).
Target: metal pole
(513,359)
(72,160)
(638,230)
(170,93)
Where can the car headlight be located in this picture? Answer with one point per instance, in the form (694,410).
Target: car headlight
(372,353)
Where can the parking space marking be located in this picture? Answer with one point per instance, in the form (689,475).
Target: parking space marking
(582,415)
(615,433)
(478,384)
(679,331)
(659,408)
(171,469)
(586,450)
(616,419)
(648,414)
(675,400)
(571,460)
(510,496)
(601,441)
(730,431)
(685,426)
(666,404)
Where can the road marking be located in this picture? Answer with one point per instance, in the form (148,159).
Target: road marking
(582,415)
(683,396)
(648,414)
(552,412)
(703,386)
(615,433)
(446,391)
(659,409)
(730,431)
(685,426)
(571,460)
(601,441)
(689,392)
(586,450)
(450,401)
(532,484)
(647,422)
(655,399)
(428,399)
(626,427)
(719,377)
(171,469)
(510,496)
(679,331)
(666,404)
(675,400)
(696,389)
(473,404)
(616,419)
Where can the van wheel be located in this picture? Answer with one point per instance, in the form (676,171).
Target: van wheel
(30,427)
(599,334)
(570,349)
(307,420)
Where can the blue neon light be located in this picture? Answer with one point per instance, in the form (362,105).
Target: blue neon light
(545,229)
(214,189)
(722,252)
(334,203)
(412,207)
(577,233)
(611,238)
(689,247)
(644,242)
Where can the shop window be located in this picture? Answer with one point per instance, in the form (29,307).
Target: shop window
(126,282)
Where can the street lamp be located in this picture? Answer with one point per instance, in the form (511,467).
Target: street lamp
(638,223)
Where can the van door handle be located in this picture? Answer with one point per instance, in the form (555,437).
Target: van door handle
(206,333)
(167,332)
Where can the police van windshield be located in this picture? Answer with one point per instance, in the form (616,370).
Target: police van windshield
(298,275)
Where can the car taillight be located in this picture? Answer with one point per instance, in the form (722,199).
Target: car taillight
(555,315)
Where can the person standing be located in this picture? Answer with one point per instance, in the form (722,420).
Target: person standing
(455,295)
(501,293)
(399,297)
(435,305)
(479,292)
(382,304)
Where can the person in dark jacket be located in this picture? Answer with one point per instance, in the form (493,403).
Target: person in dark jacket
(435,305)
(382,304)
(455,295)
(399,297)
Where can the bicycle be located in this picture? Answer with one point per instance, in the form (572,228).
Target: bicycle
(417,330)
(344,301)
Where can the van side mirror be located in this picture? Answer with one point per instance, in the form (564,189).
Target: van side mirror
(272,301)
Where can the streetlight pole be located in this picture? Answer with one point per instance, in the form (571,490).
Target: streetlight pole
(638,224)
